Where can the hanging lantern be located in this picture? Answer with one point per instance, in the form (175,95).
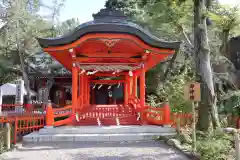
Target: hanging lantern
(130,73)
(110,93)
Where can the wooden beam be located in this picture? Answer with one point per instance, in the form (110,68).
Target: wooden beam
(107,81)
(109,74)
(110,55)
(97,59)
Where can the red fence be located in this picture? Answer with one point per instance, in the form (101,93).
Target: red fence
(10,109)
(22,125)
(183,118)
(32,117)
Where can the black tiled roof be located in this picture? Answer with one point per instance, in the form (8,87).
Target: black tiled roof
(109,21)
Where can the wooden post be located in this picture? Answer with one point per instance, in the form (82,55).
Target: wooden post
(178,126)
(235,133)
(192,92)
(237,145)
(7,136)
(193,127)
(49,116)
(15,130)
(74,87)
(167,112)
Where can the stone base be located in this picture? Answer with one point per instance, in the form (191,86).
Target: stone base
(98,134)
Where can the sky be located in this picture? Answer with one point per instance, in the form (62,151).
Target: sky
(230,2)
(83,9)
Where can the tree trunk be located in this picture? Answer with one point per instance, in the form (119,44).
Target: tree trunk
(224,49)
(25,77)
(207,108)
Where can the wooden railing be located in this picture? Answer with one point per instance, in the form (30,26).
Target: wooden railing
(104,111)
(184,119)
(22,125)
(52,114)
(135,102)
(9,109)
(157,116)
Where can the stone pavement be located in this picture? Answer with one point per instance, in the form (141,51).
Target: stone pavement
(148,150)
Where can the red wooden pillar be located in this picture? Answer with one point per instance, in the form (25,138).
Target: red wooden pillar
(142,92)
(134,92)
(166,112)
(74,87)
(81,91)
(125,87)
(130,82)
(89,90)
(93,95)
(86,89)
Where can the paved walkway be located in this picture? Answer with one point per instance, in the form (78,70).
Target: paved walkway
(118,151)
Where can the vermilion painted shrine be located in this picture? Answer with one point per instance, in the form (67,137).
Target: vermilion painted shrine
(103,55)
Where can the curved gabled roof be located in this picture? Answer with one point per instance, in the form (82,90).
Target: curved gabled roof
(109,21)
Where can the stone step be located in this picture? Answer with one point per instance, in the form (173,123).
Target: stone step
(35,137)
(107,129)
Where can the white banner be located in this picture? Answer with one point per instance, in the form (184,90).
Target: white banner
(19,94)
(0,100)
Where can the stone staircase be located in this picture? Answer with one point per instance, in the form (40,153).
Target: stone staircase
(85,134)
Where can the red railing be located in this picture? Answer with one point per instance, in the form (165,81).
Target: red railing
(157,116)
(183,118)
(104,111)
(10,109)
(135,102)
(22,125)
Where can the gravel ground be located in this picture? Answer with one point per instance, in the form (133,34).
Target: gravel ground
(119,151)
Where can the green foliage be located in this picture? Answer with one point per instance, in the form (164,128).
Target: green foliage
(68,26)
(225,17)
(22,26)
(18,35)
(230,103)
(214,145)
(172,91)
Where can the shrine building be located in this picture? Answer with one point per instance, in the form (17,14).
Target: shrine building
(107,59)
